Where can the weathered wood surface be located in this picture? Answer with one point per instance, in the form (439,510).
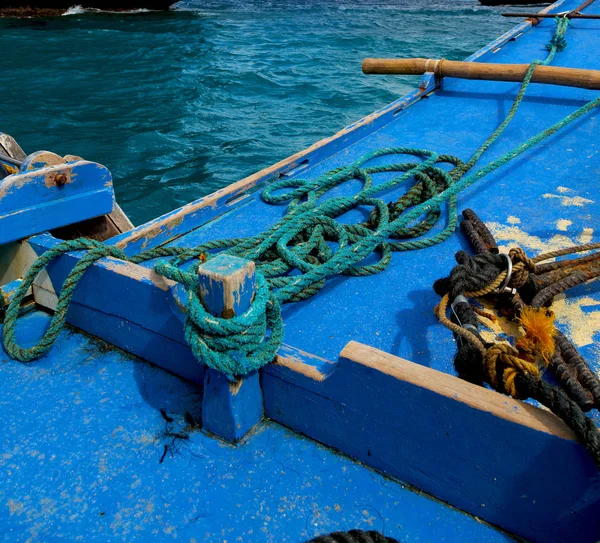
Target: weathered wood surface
(511,463)
(100,228)
(227,285)
(352,406)
(550,75)
(48,192)
(472,447)
(96,411)
(11,155)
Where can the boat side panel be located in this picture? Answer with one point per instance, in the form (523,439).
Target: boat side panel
(449,438)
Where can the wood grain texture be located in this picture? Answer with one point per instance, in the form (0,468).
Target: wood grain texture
(550,75)
(99,228)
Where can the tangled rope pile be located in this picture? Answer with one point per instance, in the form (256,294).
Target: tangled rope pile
(523,289)
(296,255)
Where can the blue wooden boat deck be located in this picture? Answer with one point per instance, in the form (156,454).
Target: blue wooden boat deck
(393,311)
(83,434)
(82,437)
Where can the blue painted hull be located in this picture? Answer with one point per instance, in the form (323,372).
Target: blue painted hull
(100,444)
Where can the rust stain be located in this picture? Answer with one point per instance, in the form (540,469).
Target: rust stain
(57,177)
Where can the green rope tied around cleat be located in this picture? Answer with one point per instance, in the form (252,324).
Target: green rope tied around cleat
(294,257)
(234,346)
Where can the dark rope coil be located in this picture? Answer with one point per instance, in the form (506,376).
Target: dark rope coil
(354,536)
(515,370)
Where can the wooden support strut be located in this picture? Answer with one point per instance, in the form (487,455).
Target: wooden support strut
(550,75)
(229,410)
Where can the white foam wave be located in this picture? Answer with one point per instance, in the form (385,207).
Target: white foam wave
(78,10)
(74,10)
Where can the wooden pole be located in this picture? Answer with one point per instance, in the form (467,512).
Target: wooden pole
(550,75)
(570,15)
(229,410)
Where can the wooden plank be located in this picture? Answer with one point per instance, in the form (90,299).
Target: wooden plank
(9,145)
(149,325)
(110,281)
(227,285)
(162,351)
(120,220)
(15,258)
(499,459)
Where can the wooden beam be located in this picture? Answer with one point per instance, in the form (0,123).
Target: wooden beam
(550,15)
(480,451)
(230,410)
(502,460)
(550,75)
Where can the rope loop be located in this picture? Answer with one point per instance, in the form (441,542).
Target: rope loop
(95,251)
(241,344)
(315,240)
(506,356)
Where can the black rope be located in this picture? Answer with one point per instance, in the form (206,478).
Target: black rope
(354,536)
(474,273)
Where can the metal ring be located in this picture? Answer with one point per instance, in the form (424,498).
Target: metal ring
(504,284)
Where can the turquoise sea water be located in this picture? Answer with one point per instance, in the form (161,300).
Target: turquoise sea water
(179,104)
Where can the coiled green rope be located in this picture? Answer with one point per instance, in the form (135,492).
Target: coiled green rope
(301,242)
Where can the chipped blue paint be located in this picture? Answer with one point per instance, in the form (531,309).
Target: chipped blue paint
(41,197)
(476,460)
(81,441)
(227,285)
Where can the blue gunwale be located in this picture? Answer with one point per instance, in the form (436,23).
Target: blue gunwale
(195,214)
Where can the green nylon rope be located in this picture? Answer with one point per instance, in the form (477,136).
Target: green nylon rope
(294,257)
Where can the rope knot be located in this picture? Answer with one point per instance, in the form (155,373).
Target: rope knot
(557,42)
(523,266)
(239,345)
(511,365)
